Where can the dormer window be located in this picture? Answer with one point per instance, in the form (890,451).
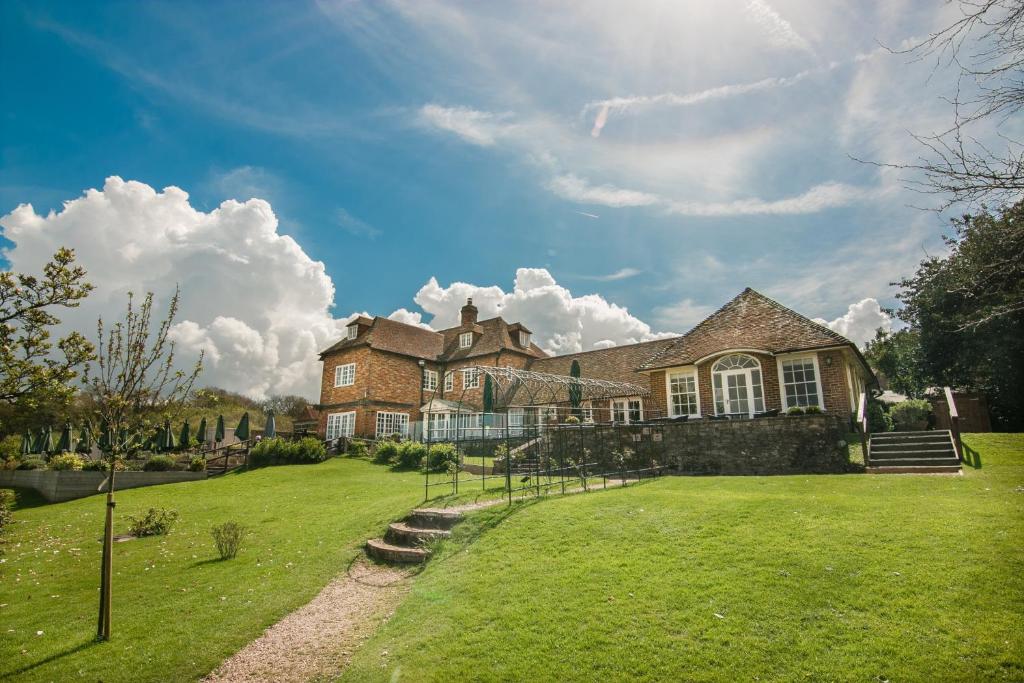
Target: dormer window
(465,340)
(524,339)
(353,331)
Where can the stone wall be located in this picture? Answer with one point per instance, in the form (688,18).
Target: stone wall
(58,486)
(777,445)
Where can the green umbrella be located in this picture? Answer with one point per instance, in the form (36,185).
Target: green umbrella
(85,439)
(270,430)
(167,437)
(218,434)
(26,443)
(186,437)
(64,443)
(37,442)
(201,433)
(106,442)
(47,443)
(242,430)
(575,390)
(488,395)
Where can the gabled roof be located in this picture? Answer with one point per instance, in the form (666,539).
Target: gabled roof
(616,363)
(493,337)
(396,337)
(750,321)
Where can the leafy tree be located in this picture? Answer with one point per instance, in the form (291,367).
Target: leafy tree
(897,355)
(30,372)
(968,310)
(287,404)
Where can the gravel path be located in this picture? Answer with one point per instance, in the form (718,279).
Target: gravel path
(317,640)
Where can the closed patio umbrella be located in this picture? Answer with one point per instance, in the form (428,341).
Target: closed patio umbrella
(185,439)
(167,437)
(26,443)
(218,434)
(270,430)
(64,443)
(106,442)
(47,445)
(85,439)
(201,433)
(37,442)
(242,430)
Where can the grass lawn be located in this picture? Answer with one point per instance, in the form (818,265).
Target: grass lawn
(844,577)
(177,610)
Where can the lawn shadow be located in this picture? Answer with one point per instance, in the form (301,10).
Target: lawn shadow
(54,657)
(27,498)
(971,457)
(201,563)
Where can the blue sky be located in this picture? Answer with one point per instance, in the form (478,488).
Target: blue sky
(660,156)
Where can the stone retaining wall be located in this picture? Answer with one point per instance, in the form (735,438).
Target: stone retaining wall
(58,486)
(775,445)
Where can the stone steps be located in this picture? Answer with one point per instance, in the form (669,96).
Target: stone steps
(915,469)
(403,542)
(929,452)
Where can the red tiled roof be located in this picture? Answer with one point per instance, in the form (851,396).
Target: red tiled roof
(750,321)
(616,363)
(494,337)
(396,337)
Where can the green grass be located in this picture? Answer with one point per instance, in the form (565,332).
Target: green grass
(177,610)
(843,577)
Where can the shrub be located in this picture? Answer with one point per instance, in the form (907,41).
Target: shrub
(6,503)
(572,420)
(795,410)
(270,452)
(197,464)
(157,522)
(228,538)
(159,463)
(911,415)
(357,449)
(66,461)
(411,455)
(10,447)
(442,457)
(878,420)
(385,452)
(94,466)
(812,410)
(32,463)
(308,450)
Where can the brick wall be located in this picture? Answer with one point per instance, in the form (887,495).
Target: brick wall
(835,382)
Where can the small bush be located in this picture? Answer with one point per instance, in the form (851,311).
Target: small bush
(270,452)
(309,450)
(6,503)
(228,538)
(94,466)
(812,410)
(572,420)
(157,522)
(385,452)
(10,447)
(32,463)
(159,463)
(795,410)
(197,464)
(357,449)
(910,416)
(411,455)
(66,461)
(878,420)
(442,457)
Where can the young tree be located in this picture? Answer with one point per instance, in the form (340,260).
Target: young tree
(135,384)
(897,355)
(30,372)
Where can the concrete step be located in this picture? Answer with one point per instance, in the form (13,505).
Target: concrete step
(433,518)
(913,462)
(913,452)
(400,533)
(883,446)
(931,435)
(915,469)
(381,550)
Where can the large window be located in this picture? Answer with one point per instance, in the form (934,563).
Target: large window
(736,380)
(340,424)
(682,392)
(449,381)
(392,423)
(471,378)
(465,340)
(430,380)
(627,410)
(800,381)
(345,375)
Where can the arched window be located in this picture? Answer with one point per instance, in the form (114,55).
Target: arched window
(737,383)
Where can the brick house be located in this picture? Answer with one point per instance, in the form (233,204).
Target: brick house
(752,356)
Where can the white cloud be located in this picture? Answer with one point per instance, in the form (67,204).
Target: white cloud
(779,31)
(577,189)
(860,321)
(620,274)
(356,227)
(682,315)
(408,317)
(251,297)
(476,127)
(560,321)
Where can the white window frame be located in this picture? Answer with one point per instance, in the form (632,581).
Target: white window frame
(623,404)
(691,373)
(449,381)
(748,372)
(353,331)
(429,380)
(470,378)
(789,357)
(345,375)
(388,423)
(340,424)
(524,339)
(588,415)
(465,340)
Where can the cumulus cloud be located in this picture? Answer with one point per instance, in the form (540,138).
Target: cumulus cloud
(476,127)
(860,321)
(251,297)
(560,321)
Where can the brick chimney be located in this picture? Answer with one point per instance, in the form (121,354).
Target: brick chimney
(469,312)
